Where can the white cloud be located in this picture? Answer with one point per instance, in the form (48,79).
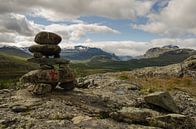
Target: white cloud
(16,23)
(73,9)
(75,31)
(16,28)
(134,48)
(175,20)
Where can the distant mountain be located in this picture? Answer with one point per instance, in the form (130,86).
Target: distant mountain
(14,51)
(168,50)
(85,53)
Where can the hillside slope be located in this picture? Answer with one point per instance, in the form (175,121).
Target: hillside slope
(11,50)
(13,66)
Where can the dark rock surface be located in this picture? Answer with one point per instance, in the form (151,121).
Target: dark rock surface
(47,38)
(45,50)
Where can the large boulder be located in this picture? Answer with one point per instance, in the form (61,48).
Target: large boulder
(163,100)
(46,50)
(48,76)
(47,38)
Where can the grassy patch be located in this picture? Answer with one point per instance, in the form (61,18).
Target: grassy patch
(153,84)
(124,77)
(8,84)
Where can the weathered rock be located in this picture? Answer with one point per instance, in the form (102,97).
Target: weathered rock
(173,121)
(78,119)
(133,115)
(47,38)
(45,50)
(85,83)
(7,122)
(19,108)
(163,100)
(39,88)
(68,85)
(49,61)
(48,76)
(5,91)
(45,67)
(134,87)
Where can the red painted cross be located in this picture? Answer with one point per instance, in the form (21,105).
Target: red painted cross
(53,74)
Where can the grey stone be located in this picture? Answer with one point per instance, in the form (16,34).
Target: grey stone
(19,108)
(133,115)
(45,67)
(86,83)
(47,38)
(120,92)
(163,100)
(134,87)
(68,85)
(45,50)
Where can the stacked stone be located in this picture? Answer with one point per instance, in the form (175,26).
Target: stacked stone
(47,54)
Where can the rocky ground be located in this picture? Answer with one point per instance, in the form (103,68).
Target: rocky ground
(102,101)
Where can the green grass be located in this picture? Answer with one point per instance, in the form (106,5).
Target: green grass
(12,67)
(8,84)
(152,84)
(88,67)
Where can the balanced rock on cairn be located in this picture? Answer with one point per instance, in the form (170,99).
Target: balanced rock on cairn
(47,54)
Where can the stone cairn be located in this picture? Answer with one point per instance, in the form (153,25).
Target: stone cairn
(54,71)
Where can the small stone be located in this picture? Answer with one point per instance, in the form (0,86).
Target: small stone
(8,122)
(40,88)
(133,115)
(79,119)
(4,91)
(19,108)
(134,87)
(45,67)
(45,50)
(162,99)
(120,92)
(47,38)
(67,86)
(84,84)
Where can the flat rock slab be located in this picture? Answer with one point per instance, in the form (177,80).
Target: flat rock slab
(47,38)
(163,100)
(133,115)
(173,121)
(47,50)
(48,61)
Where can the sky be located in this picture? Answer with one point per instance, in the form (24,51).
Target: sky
(123,27)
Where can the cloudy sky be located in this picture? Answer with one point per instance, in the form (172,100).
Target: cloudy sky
(123,27)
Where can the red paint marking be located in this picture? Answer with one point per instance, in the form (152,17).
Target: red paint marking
(53,74)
